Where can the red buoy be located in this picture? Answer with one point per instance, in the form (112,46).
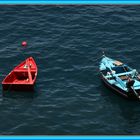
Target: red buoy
(24,43)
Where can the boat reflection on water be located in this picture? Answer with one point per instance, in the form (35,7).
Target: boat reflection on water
(19,94)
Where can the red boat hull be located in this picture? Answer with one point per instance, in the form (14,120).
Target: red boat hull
(22,77)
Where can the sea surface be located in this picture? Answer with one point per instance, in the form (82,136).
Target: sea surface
(67,43)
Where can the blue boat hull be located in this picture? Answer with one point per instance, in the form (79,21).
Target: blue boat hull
(119,91)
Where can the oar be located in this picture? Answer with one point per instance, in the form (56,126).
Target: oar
(29,71)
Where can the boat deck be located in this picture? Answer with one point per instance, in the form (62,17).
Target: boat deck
(17,81)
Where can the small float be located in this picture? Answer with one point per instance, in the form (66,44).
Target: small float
(120,77)
(22,77)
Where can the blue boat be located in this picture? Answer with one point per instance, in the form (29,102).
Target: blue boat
(120,77)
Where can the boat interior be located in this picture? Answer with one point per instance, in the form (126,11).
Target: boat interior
(19,77)
(120,71)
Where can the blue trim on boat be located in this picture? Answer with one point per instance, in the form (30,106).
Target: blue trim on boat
(69,137)
(71,2)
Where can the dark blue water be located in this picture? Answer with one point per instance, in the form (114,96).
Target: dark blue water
(66,42)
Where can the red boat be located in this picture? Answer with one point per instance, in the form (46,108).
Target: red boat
(22,77)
